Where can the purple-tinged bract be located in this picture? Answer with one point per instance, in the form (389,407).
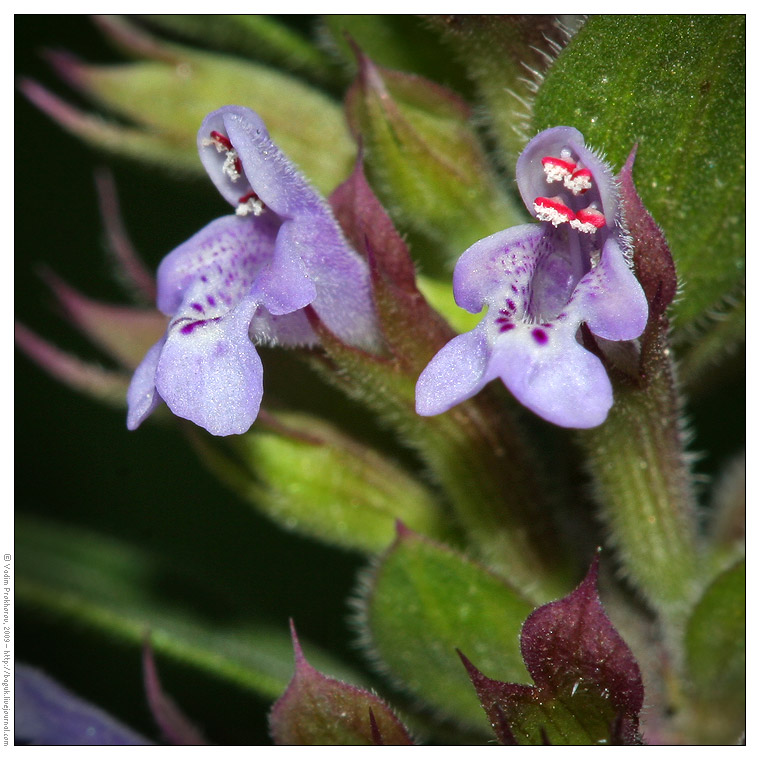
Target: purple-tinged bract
(540,282)
(246,278)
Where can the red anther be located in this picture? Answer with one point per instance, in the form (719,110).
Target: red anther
(223,140)
(591,215)
(556,211)
(582,173)
(561,163)
(579,182)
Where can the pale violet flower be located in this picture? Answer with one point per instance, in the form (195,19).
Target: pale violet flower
(540,282)
(49,714)
(246,278)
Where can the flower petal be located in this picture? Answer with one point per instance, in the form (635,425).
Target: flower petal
(209,371)
(312,263)
(610,297)
(285,284)
(142,397)
(454,374)
(220,262)
(553,375)
(486,269)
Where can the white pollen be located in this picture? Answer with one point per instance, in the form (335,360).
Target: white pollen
(207,142)
(576,224)
(577,185)
(547,214)
(555,173)
(251,206)
(229,165)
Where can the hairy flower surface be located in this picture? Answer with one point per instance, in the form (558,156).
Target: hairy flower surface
(540,282)
(247,277)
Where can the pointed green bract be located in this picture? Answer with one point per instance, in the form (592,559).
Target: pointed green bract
(401,42)
(422,603)
(588,687)
(318,710)
(424,159)
(106,386)
(676,86)
(309,477)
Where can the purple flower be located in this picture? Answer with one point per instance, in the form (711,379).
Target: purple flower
(247,277)
(48,714)
(540,282)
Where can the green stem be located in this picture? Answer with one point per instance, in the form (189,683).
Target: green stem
(643,483)
(486,468)
(479,457)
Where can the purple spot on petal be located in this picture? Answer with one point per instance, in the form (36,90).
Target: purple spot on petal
(507,326)
(197,306)
(540,336)
(190,326)
(511,304)
(211,300)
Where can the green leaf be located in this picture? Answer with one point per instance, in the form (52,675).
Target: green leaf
(676,86)
(715,658)
(82,579)
(422,603)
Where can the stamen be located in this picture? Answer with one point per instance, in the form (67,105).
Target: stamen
(579,182)
(552,210)
(558,169)
(250,203)
(232,166)
(588,219)
(218,140)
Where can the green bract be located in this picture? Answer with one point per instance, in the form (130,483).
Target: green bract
(421,604)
